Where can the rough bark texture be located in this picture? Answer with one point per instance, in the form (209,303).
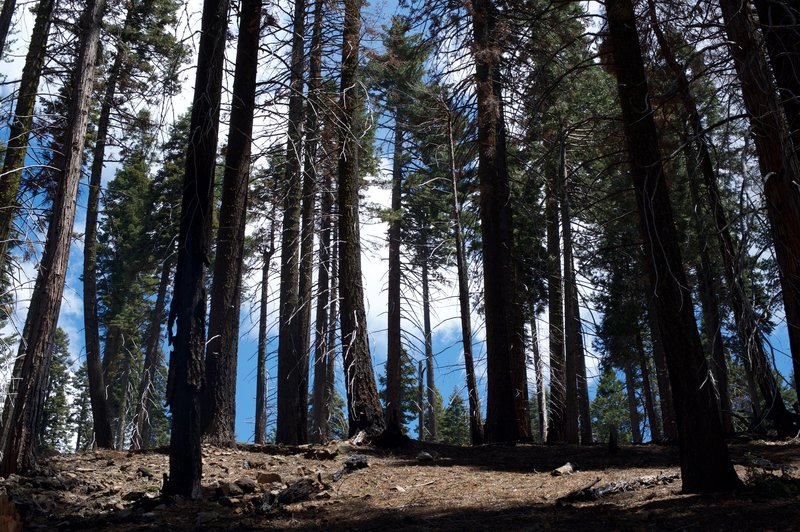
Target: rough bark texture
(219,391)
(188,309)
(363,404)
(705,463)
(506,402)
(6,15)
(781,172)
(556,432)
(394,428)
(433,429)
(291,425)
(475,422)
(23,405)
(152,361)
(261,364)
(633,409)
(19,132)
(668,422)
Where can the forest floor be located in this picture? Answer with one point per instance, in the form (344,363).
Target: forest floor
(422,487)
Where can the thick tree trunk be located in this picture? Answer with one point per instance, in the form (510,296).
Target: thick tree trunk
(781,171)
(433,431)
(668,420)
(261,364)
(541,397)
(363,404)
(647,391)
(291,426)
(633,408)
(475,422)
(394,349)
(152,361)
(19,132)
(557,432)
(24,407)
(219,390)
(507,403)
(188,309)
(705,463)
(572,318)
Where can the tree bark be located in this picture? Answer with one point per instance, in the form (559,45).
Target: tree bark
(781,172)
(633,409)
(20,130)
(507,402)
(557,431)
(541,397)
(152,361)
(421,401)
(647,390)
(363,404)
(24,406)
(668,420)
(6,15)
(291,426)
(261,365)
(433,431)
(219,390)
(475,422)
(705,463)
(188,309)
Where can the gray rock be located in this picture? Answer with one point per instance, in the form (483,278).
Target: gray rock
(423,457)
(247,484)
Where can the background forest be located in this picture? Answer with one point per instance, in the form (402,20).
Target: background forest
(462,222)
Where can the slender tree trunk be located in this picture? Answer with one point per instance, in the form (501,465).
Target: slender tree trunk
(647,390)
(421,401)
(152,361)
(291,427)
(122,406)
(475,422)
(507,403)
(633,409)
(261,365)
(219,391)
(188,310)
(363,404)
(330,373)
(17,148)
(24,407)
(426,325)
(541,397)
(572,318)
(557,432)
(668,420)
(705,463)
(6,15)
(781,172)
(394,429)
(583,388)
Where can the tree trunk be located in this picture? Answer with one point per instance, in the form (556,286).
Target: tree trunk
(6,15)
(584,412)
(572,318)
(668,420)
(219,390)
(433,431)
(475,422)
(541,397)
(20,129)
(122,406)
(261,369)
(330,374)
(507,403)
(557,432)
(647,390)
(394,429)
(705,463)
(36,347)
(363,404)
(152,361)
(188,309)
(633,409)
(291,427)
(421,401)
(781,171)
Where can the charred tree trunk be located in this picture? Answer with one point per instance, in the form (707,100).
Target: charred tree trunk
(557,432)
(633,408)
(394,429)
(261,365)
(705,463)
(219,391)
(572,317)
(507,403)
(23,407)
(20,129)
(292,395)
(475,422)
(781,171)
(188,309)
(363,404)
(152,362)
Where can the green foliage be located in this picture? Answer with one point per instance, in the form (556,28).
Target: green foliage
(54,422)
(608,408)
(408,390)
(454,423)
(82,410)
(338,421)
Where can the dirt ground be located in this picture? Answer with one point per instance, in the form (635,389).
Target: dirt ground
(421,487)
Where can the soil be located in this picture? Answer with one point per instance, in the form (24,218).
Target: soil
(420,487)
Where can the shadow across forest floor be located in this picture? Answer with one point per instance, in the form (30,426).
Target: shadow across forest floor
(420,487)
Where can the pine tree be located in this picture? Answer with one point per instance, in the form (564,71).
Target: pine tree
(454,426)
(54,423)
